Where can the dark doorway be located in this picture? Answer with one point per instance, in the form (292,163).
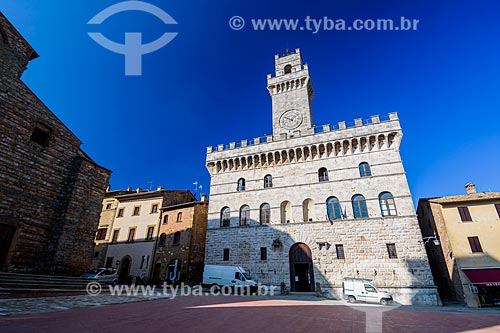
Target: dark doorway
(301,268)
(124,270)
(6,235)
(157,273)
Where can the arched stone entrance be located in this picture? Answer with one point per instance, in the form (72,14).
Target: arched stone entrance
(301,268)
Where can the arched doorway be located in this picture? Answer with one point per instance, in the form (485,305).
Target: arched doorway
(301,268)
(124,269)
(174,271)
(157,273)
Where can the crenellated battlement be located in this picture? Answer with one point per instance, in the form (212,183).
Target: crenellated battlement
(344,138)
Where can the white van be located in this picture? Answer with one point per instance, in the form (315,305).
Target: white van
(220,276)
(364,291)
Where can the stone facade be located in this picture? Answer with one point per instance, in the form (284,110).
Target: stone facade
(311,169)
(131,220)
(50,190)
(180,250)
(452,221)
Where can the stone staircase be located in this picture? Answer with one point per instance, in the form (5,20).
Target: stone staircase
(17,285)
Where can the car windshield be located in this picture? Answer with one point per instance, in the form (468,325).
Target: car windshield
(247,276)
(93,271)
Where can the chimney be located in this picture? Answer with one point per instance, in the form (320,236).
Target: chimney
(159,188)
(129,189)
(471,188)
(138,190)
(203,198)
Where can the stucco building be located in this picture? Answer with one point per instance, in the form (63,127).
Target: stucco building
(129,228)
(462,234)
(310,205)
(180,249)
(50,189)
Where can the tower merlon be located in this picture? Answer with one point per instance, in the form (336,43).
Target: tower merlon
(373,126)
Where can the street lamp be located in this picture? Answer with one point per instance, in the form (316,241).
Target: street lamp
(434,239)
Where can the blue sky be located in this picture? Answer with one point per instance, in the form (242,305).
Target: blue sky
(208,86)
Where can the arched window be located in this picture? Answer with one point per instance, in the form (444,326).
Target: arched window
(241,185)
(286,212)
(323,175)
(225,217)
(364,170)
(288,69)
(163,240)
(177,238)
(359,206)
(265,213)
(307,210)
(244,215)
(333,209)
(268,181)
(387,204)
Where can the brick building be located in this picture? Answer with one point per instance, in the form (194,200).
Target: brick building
(310,205)
(50,190)
(180,249)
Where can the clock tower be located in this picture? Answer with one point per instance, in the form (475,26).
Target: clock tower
(291,92)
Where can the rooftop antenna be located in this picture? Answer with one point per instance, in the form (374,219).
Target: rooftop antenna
(150,185)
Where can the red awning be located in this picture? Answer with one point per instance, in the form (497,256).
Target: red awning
(487,276)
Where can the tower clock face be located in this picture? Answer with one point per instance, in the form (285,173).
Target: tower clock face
(291,119)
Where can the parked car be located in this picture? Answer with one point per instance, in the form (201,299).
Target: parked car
(221,276)
(363,290)
(103,275)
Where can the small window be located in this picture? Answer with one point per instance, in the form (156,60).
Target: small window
(226,255)
(364,170)
(179,217)
(268,181)
(177,238)
(265,213)
(144,262)
(263,253)
(288,69)
(114,239)
(40,136)
(165,219)
(244,215)
(131,235)
(225,217)
(149,235)
(323,175)
(475,245)
(333,209)
(464,214)
(163,240)
(154,209)
(497,206)
(387,204)
(121,211)
(340,251)
(101,234)
(108,206)
(137,211)
(359,206)
(241,185)
(391,250)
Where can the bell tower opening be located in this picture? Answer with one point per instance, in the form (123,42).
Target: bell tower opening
(291,93)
